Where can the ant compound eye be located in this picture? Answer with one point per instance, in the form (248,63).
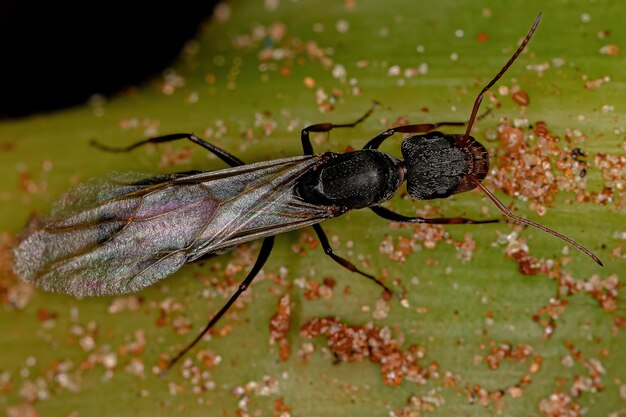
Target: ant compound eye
(442,192)
(433,135)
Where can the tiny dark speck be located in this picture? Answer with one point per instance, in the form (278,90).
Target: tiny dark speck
(7,147)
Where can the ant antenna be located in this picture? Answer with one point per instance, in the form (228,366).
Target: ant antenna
(484,189)
(479,98)
(504,209)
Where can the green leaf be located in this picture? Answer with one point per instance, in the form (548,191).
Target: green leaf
(255,76)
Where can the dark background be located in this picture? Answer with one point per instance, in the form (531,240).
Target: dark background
(55,54)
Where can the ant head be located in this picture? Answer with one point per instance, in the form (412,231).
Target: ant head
(439,165)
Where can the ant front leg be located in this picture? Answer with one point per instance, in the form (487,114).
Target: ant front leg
(399,218)
(230,159)
(307,147)
(420,128)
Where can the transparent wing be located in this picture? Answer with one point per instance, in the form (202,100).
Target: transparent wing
(123,234)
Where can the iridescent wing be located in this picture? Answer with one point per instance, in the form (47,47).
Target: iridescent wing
(119,236)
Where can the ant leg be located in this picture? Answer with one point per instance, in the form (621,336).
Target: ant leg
(399,218)
(264,253)
(328,250)
(307,147)
(420,128)
(231,160)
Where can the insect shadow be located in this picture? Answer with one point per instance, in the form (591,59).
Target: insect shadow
(122,236)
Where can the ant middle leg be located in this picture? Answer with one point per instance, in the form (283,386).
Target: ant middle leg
(328,250)
(230,159)
(307,147)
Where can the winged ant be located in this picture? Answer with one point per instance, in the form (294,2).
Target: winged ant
(121,236)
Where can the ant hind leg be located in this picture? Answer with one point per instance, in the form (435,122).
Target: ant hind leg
(264,253)
(230,159)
